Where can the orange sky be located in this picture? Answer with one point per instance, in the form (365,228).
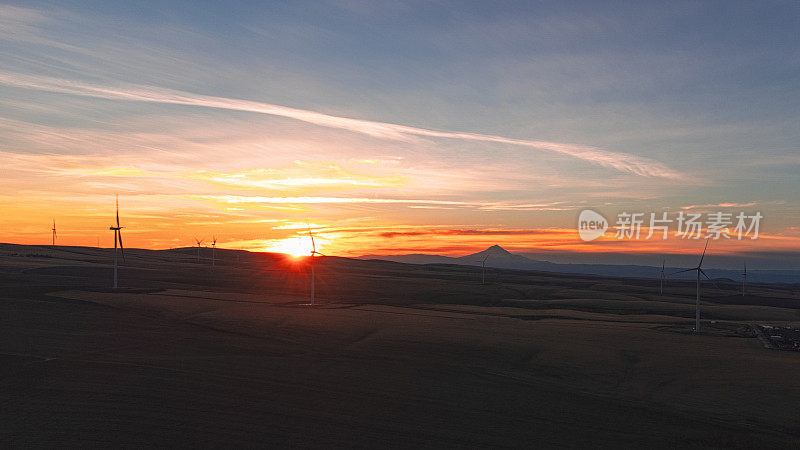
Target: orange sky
(250,189)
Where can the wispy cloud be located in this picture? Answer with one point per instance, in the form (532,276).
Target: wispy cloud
(487,206)
(619,161)
(326,175)
(720,205)
(478,232)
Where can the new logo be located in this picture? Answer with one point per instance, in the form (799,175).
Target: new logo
(591,225)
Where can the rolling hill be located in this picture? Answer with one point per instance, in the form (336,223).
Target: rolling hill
(500,258)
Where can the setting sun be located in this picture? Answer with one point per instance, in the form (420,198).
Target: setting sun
(293,246)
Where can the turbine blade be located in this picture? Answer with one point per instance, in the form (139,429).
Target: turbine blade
(488,254)
(121,248)
(681,271)
(704,253)
(709,279)
(117,210)
(313,245)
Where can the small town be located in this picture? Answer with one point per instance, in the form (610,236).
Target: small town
(782,338)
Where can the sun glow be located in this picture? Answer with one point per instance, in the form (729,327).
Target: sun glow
(293,246)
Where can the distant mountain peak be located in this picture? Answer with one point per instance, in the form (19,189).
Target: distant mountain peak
(493,252)
(498,249)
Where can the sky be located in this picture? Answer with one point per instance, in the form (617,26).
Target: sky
(397,127)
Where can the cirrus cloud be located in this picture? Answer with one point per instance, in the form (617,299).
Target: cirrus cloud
(622,162)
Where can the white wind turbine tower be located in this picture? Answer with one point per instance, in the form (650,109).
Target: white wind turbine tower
(199,242)
(744,278)
(117,237)
(54,232)
(699,270)
(213,251)
(483,265)
(314,253)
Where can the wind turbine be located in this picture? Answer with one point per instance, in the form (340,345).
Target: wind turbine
(699,270)
(54,232)
(213,251)
(314,253)
(483,265)
(199,241)
(744,278)
(117,237)
(661,281)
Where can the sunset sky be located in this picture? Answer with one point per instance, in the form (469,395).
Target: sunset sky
(396,127)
